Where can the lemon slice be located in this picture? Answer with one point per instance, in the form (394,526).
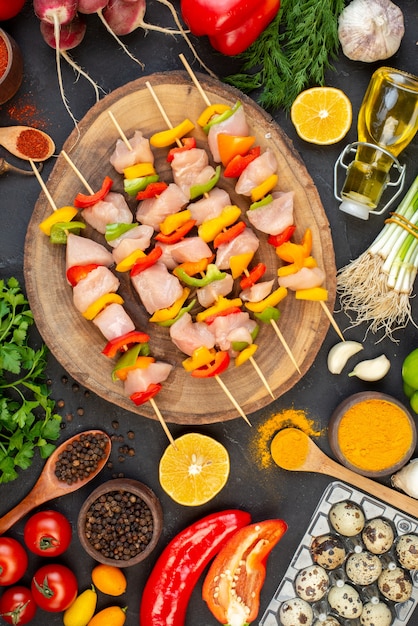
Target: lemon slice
(322,115)
(194,470)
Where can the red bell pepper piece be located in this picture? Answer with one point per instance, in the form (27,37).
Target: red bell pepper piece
(123,343)
(188,144)
(145,262)
(277,240)
(83,201)
(140,397)
(152,190)
(229,234)
(233,583)
(178,234)
(254,276)
(230,311)
(238,164)
(78,272)
(216,367)
(167,592)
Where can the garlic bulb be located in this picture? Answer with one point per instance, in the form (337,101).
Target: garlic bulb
(407,479)
(370,30)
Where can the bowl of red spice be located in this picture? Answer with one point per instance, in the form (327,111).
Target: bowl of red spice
(120,522)
(372,433)
(11,67)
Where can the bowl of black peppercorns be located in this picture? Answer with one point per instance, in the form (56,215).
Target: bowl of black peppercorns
(120,522)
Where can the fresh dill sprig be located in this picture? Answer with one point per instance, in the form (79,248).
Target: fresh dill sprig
(292,53)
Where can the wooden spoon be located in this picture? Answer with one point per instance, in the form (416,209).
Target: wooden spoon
(9,140)
(316,461)
(48,486)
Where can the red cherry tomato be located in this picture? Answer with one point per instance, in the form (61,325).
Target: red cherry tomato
(54,587)
(17,605)
(47,533)
(10,8)
(13,561)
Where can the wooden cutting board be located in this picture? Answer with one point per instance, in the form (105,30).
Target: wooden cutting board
(76,343)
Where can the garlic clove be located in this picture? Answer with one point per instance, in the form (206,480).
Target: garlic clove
(372,369)
(340,353)
(407,479)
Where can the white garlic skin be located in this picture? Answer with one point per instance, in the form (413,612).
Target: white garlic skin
(407,479)
(370,30)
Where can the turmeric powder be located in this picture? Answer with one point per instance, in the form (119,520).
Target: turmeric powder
(374,435)
(289,448)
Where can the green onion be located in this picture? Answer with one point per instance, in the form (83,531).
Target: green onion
(377,286)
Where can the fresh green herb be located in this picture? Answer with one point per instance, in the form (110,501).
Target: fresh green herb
(27,420)
(292,53)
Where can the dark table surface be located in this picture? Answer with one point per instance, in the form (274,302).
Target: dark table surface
(263,491)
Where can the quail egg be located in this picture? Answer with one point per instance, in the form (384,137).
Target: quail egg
(376,614)
(328,551)
(347,518)
(407,551)
(296,611)
(329,620)
(378,535)
(345,600)
(363,568)
(395,584)
(312,583)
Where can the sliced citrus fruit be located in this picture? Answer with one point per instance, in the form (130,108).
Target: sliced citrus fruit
(194,470)
(322,115)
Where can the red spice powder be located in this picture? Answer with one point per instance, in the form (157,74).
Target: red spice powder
(24,112)
(32,144)
(4,56)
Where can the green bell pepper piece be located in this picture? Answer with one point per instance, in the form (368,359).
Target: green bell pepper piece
(222,117)
(133,185)
(263,202)
(268,314)
(130,356)
(60,229)
(200,190)
(212,274)
(113,231)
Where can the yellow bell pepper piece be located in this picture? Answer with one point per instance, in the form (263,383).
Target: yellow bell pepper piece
(102,302)
(200,357)
(162,315)
(272,299)
(64,214)
(212,227)
(128,263)
(168,137)
(292,268)
(307,242)
(239,263)
(221,305)
(245,354)
(314,293)
(210,111)
(139,170)
(174,221)
(142,362)
(262,190)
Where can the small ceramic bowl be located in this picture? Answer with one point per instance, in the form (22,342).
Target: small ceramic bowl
(126,501)
(11,67)
(343,410)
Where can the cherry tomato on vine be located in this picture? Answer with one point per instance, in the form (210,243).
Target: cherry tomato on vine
(13,561)
(17,605)
(10,8)
(47,533)
(54,587)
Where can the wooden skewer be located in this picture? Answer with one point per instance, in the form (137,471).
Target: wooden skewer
(284,344)
(161,109)
(43,186)
(194,79)
(231,397)
(261,376)
(162,422)
(77,171)
(331,319)
(120,131)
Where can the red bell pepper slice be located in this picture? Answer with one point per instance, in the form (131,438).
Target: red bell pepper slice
(78,272)
(230,311)
(145,262)
(178,234)
(228,235)
(254,276)
(140,397)
(124,342)
(152,190)
(277,240)
(83,201)
(216,367)
(188,144)
(238,164)
(233,583)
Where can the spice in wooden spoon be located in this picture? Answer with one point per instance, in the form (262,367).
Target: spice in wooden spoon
(292,449)
(27,143)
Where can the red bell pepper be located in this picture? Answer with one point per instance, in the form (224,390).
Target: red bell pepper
(152,190)
(277,240)
(238,164)
(145,262)
(140,397)
(232,25)
(123,343)
(178,234)
(188,144)
(215,368)
(167,592)
(78,272)
(228,235)
(254,276)
(83,201)
(229,311)
(233,583)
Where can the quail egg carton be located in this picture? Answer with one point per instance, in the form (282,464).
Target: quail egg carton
(320,525)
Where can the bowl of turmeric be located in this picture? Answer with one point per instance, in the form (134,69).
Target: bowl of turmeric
(11,67)
(372,434)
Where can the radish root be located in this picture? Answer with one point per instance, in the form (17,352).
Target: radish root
(122,45)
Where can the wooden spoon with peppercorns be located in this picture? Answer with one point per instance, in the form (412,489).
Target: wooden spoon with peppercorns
(27,143)
(71,466)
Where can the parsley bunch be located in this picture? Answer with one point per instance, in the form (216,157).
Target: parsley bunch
(27,420)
